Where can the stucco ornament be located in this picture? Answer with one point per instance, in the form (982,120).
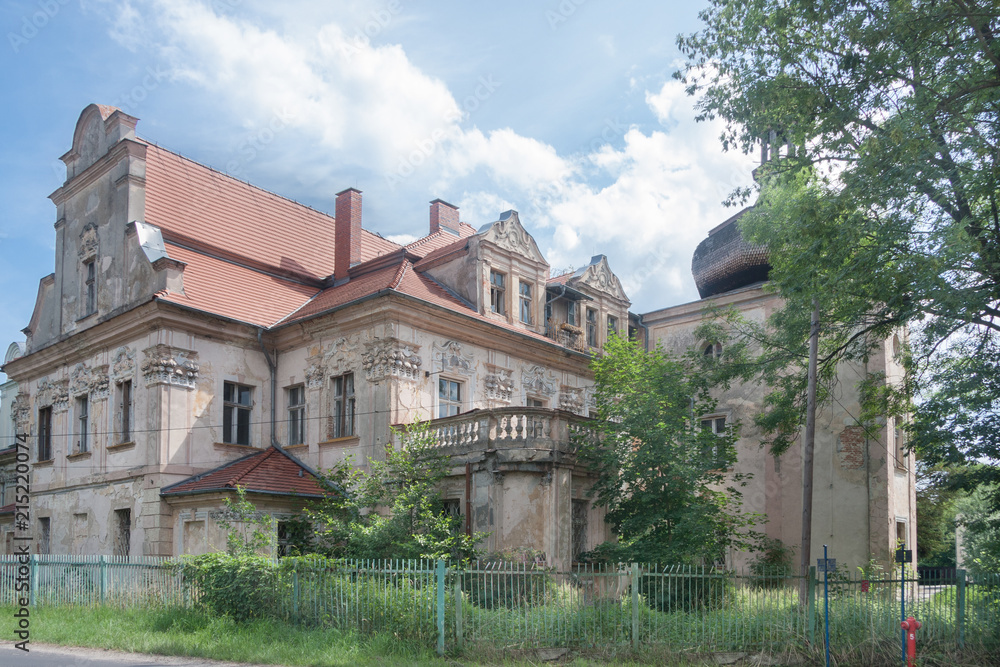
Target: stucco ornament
(53,394)
(167,365)
(538,380)
(571,399)
(123,364)
(499,384)
(385,357)
(448,356)
(342,355)
(88,242)
(314,376)
(598,276)
(20,411)
(84,380)
(507,233)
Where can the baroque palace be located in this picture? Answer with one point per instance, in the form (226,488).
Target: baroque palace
(199,334)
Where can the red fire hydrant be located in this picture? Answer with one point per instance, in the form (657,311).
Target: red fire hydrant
(911,625)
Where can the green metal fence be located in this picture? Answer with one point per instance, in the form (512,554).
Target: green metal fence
(529,605)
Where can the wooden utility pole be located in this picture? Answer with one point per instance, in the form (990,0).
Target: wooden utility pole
(807,451)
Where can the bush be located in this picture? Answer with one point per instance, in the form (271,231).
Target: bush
(686,589)
(773,564)
(241,587)
(509,579)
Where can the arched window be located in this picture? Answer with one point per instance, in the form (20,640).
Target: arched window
(713,351)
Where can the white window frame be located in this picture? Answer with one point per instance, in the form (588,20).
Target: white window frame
(446,405)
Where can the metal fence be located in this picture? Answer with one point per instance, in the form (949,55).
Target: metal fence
(527,605)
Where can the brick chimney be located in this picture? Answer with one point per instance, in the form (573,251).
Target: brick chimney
(444,215)
(347,232)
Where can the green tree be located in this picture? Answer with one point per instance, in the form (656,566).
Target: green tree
(882,203)
(981,536)
(663,477)
(394,510)
(937,507)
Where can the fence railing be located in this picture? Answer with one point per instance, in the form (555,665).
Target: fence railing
(527,605)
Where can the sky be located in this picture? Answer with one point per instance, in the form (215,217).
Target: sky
(564,110)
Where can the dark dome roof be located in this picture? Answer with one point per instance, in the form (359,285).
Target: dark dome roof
(726,261)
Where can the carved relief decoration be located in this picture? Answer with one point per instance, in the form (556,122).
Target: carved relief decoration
(599,277)
(163,364)
(538,380)
(385,357)
(88,242)
(123,364)
(507,233)
(499,383)
(54,394)
(99,383)
(314,376)
(342,355)
(571,399)
(449,357)
(20,411)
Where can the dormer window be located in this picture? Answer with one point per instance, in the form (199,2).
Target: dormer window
(524,290)
(89,287)
(498,289)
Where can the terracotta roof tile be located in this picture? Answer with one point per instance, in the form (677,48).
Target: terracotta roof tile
(221,287)
(189,200)
(441,251)
(7,509)
(438,239)
(268,471)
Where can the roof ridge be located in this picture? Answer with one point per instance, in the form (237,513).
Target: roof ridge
(398,278)
(266,455)
(157,146)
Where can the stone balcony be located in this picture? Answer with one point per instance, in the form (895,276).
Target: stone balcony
(512,435)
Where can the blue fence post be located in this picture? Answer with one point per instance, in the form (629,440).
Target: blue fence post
(103,560)
(33,580)
(440,571)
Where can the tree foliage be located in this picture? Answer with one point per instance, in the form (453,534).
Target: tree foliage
(883,203)
(937,507)
(664,479)
(394,510)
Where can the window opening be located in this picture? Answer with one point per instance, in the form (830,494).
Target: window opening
(45,434)
(525,296)
(236,402)
(579,528)
(296,415)
(82,418)
(591,327)
(449,397)
(497,292)
(123,532)
(343,405)
(125,411)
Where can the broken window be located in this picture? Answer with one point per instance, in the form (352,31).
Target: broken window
(296,415)
(89,287)
(124,416)
(123,532)
(524,290)
(497,292)
(579,528)
(44,534)
(83,419)
(591,327)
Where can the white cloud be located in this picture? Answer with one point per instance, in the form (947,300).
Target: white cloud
(355,102)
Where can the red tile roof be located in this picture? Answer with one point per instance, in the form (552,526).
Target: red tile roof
(7,509)
(270,471)
(439,239)
(223,288)
(191,202)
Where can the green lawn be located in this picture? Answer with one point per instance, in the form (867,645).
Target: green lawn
(170,631)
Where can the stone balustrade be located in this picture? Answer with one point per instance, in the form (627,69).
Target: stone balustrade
(510,428)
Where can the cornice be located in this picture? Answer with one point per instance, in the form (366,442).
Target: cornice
(104,164)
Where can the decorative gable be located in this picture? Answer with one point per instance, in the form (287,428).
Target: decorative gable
(598,276)
(509,234)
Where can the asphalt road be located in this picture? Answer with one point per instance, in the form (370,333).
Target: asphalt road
(57,656)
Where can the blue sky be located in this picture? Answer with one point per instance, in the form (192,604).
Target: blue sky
(562,109)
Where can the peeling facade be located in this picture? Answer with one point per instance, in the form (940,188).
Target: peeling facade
(864,488)
(194,321)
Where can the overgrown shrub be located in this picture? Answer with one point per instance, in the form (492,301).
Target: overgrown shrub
(772,564)
(242,587)
(509,579)
(686,589)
